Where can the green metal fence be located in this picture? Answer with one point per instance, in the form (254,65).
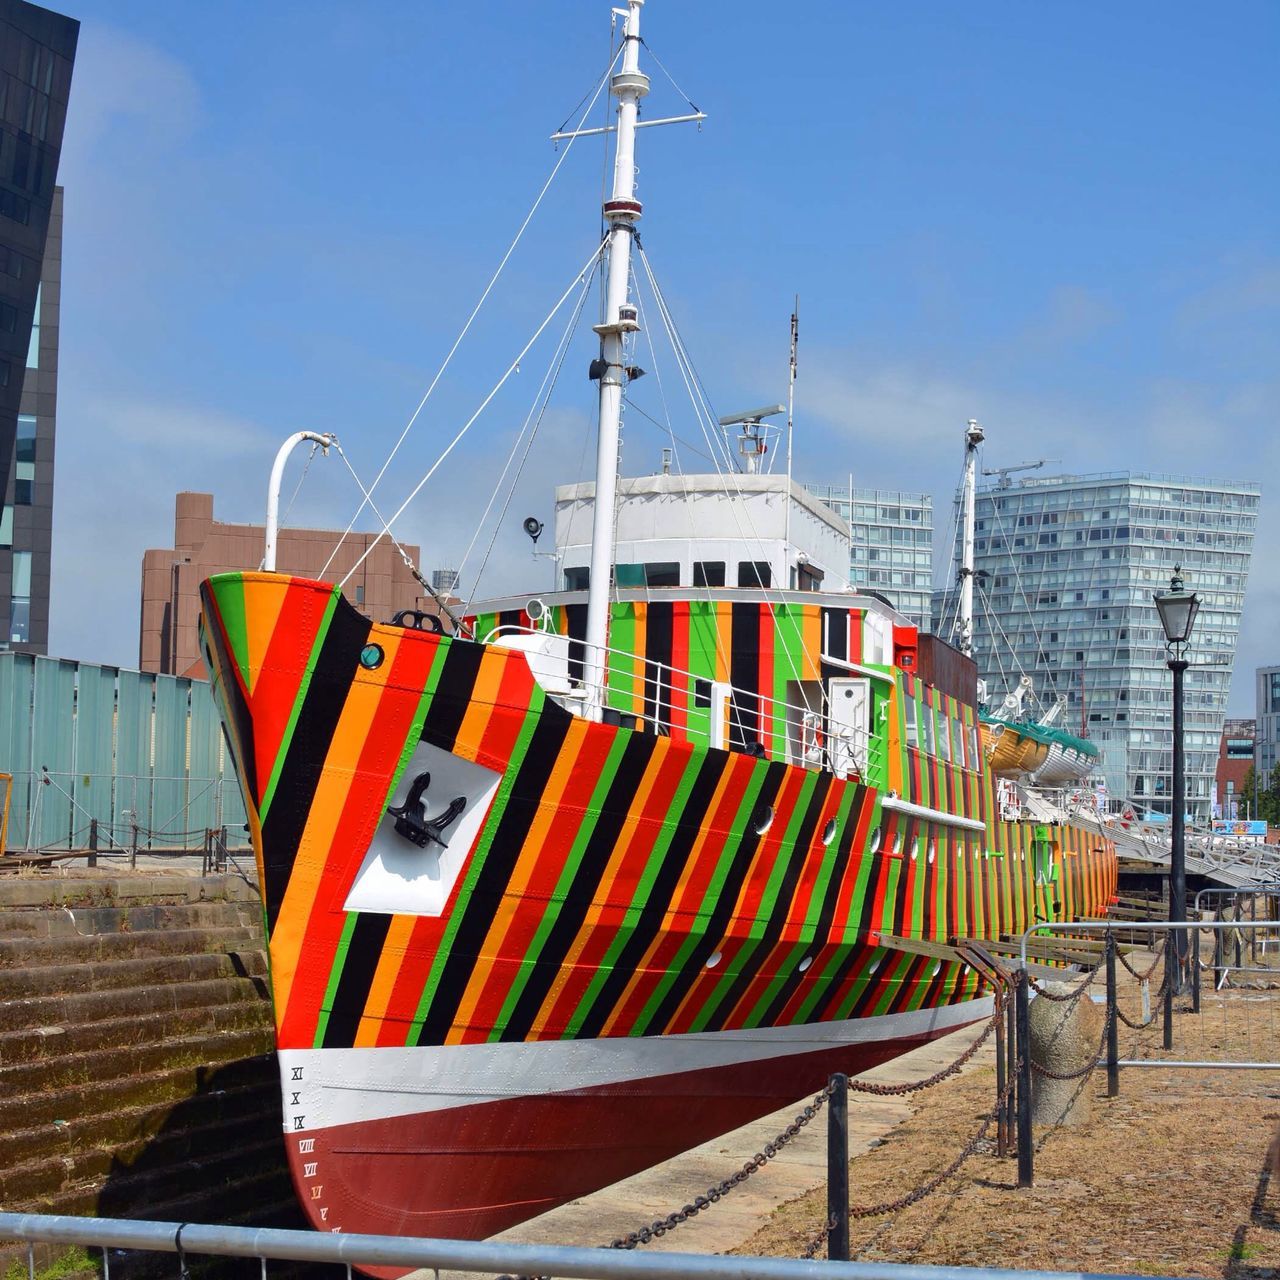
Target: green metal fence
(141,754)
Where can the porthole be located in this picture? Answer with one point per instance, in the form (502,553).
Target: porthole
(762,820)
(933,848)
(874,965)
(877,838)
(937,966)
(371,657)
(805,963)
(829,831)
(714,959)
(915,848)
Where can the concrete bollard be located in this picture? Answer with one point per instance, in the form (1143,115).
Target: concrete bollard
(1064,1037)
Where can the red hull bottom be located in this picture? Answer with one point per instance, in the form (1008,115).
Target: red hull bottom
(469,1172)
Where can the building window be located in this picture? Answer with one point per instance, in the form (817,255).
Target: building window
(20,609)
(754,573)
(25,459)
(6,527)
(33,347)
(708,573)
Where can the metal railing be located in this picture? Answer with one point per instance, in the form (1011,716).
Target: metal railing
(474,1256)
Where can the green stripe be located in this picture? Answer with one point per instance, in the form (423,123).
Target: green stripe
(322,631)
(335,976)
(551,910)
(228,591)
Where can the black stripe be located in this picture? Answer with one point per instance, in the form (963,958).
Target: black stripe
(575,617)
(336,664)
(781,911)
(726,900)
(581,893)
(827,911)
(653,912)
(361,963)
(657,649)
(744,675)
(478,910)
(454,693)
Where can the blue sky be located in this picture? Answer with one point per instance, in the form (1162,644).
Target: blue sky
(1062,220)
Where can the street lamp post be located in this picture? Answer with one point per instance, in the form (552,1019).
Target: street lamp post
(1177,608)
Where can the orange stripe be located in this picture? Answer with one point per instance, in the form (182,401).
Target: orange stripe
(484,699)
(259,625)
(384,979)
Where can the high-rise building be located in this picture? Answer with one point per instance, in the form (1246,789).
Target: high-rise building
(1067,567)
(37,50)
(381,586)
(890,544)
(1267,732)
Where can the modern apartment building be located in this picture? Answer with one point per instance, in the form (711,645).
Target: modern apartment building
(1267,731)
(890,545)
(1235,759)
(1067,568)
(37,50)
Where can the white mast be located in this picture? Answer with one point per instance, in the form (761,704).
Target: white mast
(621,211)
(972,439)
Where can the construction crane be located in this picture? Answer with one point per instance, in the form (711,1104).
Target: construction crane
(1004,472)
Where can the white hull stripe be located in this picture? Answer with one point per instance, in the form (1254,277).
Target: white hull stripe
(326,1087)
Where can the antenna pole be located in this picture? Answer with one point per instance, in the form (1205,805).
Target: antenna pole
(791,410)
(973,437)
(621,211)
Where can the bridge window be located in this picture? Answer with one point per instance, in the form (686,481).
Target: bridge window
(708,573)
(754,573)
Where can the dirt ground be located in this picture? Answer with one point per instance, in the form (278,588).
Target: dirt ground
(1169,1178)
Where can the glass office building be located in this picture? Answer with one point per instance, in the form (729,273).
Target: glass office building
(890,545)
(37,50)
(1067,568)
(1267,732)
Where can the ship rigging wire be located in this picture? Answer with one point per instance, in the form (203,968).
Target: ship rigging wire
(538,407)
(511,368)
(488,289)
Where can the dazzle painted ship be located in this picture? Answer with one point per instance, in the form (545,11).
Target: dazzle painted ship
(596,877)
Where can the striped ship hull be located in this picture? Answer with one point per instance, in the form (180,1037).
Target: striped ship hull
(626,944)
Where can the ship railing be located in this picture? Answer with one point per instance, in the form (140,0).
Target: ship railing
(817,741)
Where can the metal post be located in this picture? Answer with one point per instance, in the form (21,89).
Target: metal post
(1194,961)
(1113,1022)
(1178,847)
(1026,1159)
(1010,1065)
(1168,1008)
(92,859)
(838,1170)
(1002,1077)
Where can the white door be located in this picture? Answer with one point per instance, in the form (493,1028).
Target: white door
(850,721)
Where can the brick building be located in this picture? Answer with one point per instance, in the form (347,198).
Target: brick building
(1235,759)
(203,546)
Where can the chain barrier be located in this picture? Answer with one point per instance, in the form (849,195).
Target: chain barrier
(928,1188)
(1075,994)
(661,1226)
(1142,977)
(809,1252)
